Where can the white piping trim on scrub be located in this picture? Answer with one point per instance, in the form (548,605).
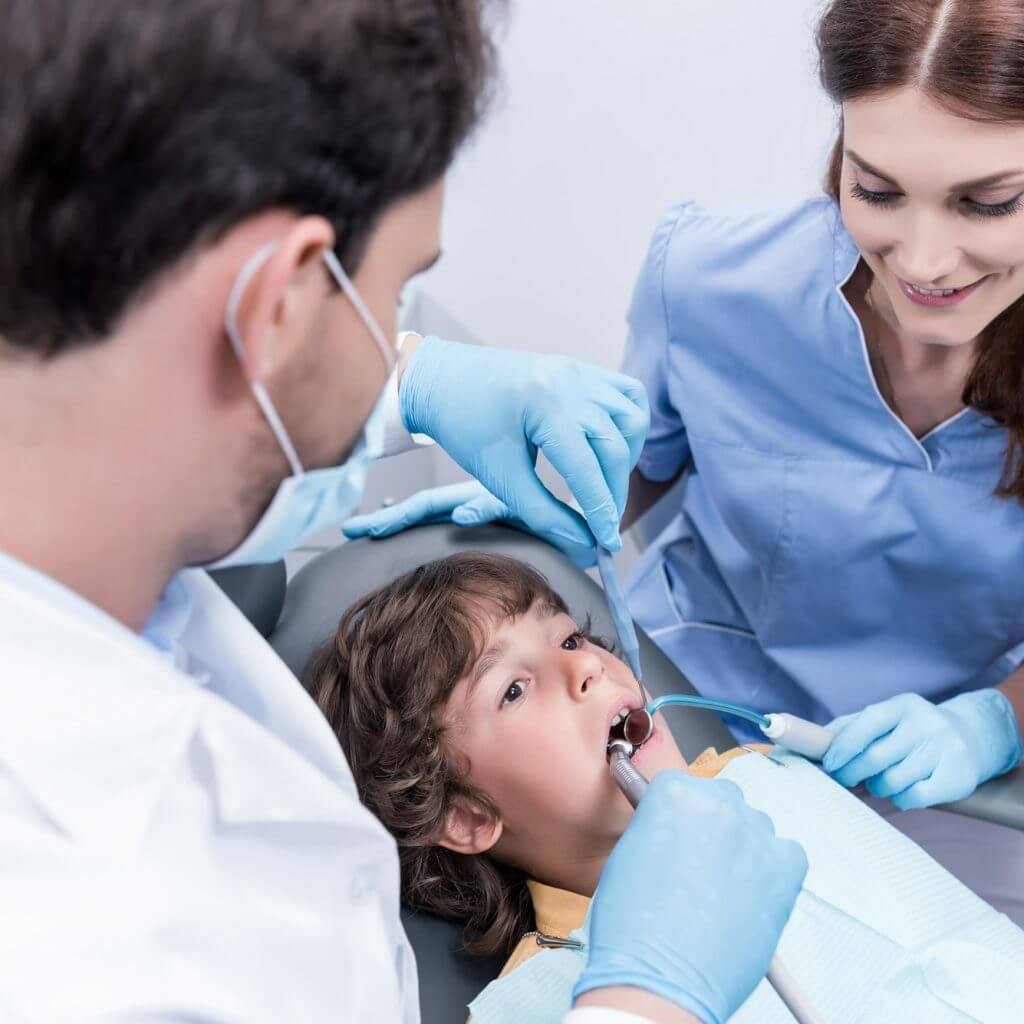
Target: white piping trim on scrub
(711,627)
(663,572)
(871,374)
(681,623)
(945,423)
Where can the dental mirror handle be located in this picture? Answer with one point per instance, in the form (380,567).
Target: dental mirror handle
(633,784)
(799,735)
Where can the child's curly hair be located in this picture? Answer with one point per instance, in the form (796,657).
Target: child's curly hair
(383,683)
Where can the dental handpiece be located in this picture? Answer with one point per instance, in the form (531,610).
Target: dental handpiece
(632,783)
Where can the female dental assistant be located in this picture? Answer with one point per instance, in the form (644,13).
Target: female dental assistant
(843,382)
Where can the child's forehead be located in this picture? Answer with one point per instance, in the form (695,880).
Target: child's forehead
(493,620)
(498,631)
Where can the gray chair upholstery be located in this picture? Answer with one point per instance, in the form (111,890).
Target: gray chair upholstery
(324,588)
(257,590)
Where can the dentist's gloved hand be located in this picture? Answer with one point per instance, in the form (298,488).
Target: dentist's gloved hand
(468,504)
(693,899)
(494,410)
(921,753)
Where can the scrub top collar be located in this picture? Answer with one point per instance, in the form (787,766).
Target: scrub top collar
(846,259)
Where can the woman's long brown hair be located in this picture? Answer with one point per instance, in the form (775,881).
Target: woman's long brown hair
(968,56)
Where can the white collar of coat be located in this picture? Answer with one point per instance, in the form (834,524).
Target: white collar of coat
(94,723)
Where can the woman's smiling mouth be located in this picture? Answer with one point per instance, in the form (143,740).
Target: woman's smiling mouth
(939,297)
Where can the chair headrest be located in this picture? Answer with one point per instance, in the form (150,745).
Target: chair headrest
(257,590)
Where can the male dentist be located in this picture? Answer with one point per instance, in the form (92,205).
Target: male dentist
(208,210)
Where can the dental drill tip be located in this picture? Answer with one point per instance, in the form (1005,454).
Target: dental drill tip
(638,726)
(623,747)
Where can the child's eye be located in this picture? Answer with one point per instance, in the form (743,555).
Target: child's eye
(512,694)
(573,641)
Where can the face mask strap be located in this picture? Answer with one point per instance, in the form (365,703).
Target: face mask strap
(345,284)
(235,296)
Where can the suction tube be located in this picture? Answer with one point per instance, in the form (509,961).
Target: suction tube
(785,730)
(724,706)
(799,735)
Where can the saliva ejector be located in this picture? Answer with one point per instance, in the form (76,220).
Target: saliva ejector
(783,729)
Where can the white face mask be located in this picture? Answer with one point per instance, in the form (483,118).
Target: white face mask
(305,502)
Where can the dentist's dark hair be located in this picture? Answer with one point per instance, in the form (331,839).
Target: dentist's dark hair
(134,132)
(967,56)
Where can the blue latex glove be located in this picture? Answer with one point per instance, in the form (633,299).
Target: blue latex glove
(468,504)
(693,899)
(921,753)
(494,410)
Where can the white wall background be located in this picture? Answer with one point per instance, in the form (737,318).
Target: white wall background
(612,110)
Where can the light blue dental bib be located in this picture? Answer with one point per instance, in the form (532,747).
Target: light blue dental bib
(880,932)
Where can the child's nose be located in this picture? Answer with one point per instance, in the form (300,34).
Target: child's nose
(583,672)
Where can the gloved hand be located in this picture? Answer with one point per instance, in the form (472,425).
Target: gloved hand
(468,504)
(494,410)
(693,899)
(921,753)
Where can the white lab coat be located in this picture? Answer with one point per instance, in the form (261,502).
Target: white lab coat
(180,837)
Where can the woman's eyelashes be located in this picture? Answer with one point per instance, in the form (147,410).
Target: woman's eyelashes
(866,195)
(996,209)
(971,206)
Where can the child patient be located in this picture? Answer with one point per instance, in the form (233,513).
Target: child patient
(475,714)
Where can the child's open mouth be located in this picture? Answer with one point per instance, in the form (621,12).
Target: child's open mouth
(631,725)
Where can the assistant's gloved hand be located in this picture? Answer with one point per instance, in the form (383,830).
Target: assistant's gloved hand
(921,753)
(493,410)
(468,504)
(693,899)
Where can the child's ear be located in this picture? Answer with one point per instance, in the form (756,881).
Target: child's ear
(469,828)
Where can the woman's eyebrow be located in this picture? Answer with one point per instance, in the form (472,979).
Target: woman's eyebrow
(865,166)
(986,182)
(960,186)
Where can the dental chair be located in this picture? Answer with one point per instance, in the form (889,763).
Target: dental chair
(321,591)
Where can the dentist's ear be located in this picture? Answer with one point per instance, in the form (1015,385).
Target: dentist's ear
(470,828)
(282,301)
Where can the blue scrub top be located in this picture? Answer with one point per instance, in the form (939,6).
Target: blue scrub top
(823,558)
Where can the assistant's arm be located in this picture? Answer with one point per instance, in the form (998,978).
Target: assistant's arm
(1013,689)
(644,494)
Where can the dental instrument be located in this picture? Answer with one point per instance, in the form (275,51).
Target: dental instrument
(633,784)
(622,620)
(789,731)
